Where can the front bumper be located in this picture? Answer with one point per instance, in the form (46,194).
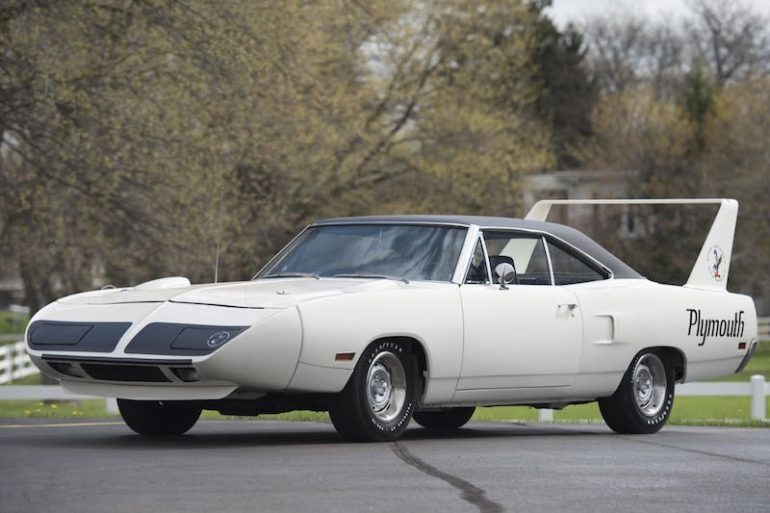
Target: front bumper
(133,378)
(148,392)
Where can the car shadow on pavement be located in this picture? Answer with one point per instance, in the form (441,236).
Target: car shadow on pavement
(213,434)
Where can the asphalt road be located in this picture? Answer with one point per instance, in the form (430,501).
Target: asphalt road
(253,466)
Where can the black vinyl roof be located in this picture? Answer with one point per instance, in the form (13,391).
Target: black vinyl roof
(569,235)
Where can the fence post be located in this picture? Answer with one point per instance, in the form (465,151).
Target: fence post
(5,369)
(13,369)
(21,354)
(757,397)
(545,415)
(111,405)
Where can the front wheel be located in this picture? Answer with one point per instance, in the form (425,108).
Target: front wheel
(378,400)
(158,417)
(643,401)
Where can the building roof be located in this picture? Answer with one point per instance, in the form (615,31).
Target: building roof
(569,235)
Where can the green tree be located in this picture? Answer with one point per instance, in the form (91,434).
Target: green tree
(566,91)
(138,135)
(734,164)
(698,92)
(476,129)
(111,122)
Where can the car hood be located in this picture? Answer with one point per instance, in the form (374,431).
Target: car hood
(268,293)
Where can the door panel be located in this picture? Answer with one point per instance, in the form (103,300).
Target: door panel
(523,337)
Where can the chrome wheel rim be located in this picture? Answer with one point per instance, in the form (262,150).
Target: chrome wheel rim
(386,386)
(650,382)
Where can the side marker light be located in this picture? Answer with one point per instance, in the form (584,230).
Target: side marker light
(344,357)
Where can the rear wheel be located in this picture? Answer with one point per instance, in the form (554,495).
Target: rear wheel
(158,417)
(377,403)
(451,418)
(643,401)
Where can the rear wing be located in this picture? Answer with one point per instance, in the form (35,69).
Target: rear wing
(713,264)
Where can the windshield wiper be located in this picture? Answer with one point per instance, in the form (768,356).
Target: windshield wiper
(293,275)
(376,276)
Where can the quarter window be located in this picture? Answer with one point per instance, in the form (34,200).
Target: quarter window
(569,269)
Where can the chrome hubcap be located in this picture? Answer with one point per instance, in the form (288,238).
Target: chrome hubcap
(649,379)
(386,386)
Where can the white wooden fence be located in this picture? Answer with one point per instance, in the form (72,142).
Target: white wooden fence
(15,363)
(764,328)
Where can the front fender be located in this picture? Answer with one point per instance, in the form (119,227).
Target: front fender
(429,313)
(263,357)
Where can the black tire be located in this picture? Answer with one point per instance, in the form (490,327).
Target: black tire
(451,418)
(378,400)
(630,410)
(158,417)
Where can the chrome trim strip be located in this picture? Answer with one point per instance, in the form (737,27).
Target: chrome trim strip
(548,256)
(749,353)
(490,275)
(113,361)
(279,253)
(417,223)
(466,254)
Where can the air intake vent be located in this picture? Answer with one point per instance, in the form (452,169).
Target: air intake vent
(117,372)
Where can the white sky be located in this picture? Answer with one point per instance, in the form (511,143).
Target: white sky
(577,11)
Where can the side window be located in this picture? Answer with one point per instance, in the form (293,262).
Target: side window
(477,271)
(569,269)
(525,252)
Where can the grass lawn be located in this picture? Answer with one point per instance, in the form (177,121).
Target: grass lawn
(95,408)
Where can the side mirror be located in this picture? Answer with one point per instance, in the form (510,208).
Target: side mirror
(506,273)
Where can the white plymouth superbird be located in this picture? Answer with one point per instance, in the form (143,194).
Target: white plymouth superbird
(380,320)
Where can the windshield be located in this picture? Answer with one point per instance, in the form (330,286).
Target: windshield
(410,252)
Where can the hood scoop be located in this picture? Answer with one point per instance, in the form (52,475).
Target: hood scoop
(172,282)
